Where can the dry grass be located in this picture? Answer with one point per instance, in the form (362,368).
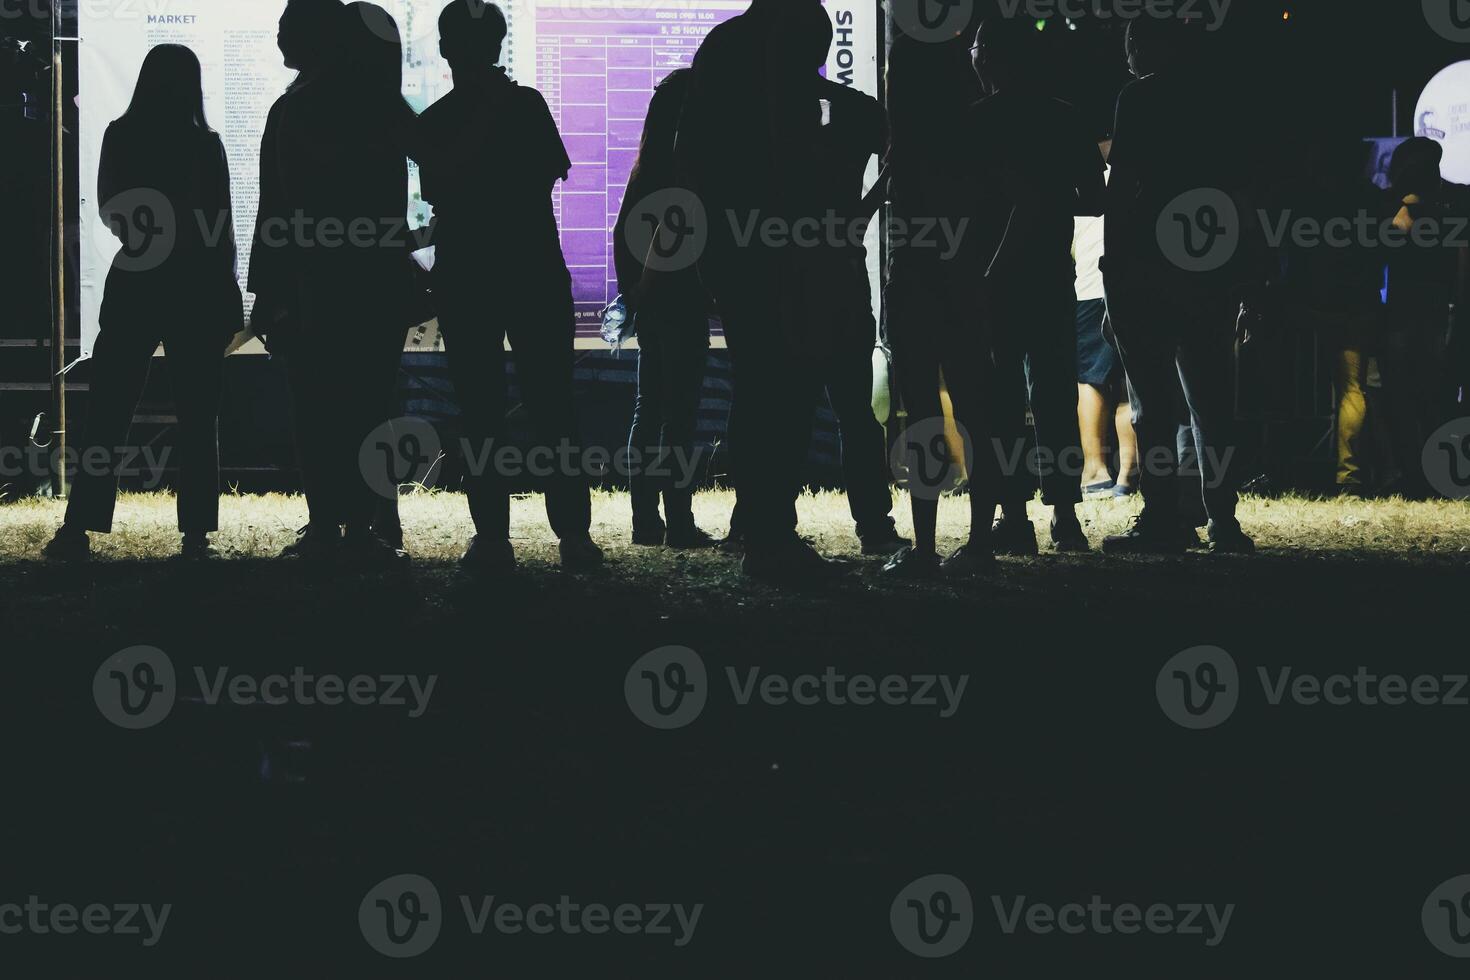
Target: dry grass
(437,525)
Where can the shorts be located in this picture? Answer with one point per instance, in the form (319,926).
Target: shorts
(1097,362)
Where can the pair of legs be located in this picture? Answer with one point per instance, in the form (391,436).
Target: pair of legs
(120,365)
(849,378)
(1175,341)
(1034,338)
(1104,416)
(938,341)
(673,349)
(1418,387)
(342,377)
(537,315)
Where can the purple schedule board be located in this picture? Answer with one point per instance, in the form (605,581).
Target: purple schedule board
(597,64)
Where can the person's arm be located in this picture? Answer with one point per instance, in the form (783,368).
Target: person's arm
(1090,169)
(1123,186)
(266,278)
(109,185)
(652,172)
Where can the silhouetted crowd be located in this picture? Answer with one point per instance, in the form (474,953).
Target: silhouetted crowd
(1049,288)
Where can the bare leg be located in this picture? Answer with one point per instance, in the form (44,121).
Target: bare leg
(1094,410)
(1127,446)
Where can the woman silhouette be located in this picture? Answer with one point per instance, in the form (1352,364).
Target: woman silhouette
(164,188)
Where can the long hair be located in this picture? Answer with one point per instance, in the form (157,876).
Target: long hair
(374,49)
(170,90)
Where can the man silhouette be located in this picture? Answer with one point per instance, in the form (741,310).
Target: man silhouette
(335,307)
(747,148)
(673,343)
(1176,138)
(1038,169)
(491,157)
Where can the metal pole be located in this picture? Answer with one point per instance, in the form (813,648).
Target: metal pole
(58,312)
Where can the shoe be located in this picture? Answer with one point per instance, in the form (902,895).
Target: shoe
(794,562)
(196,547)
(313,544)
(733,543)
(68,547)
(1068,537)
(364,549)
(648,535)
(691,539)
(489,557)
(885,542)
(912,565)
(1122,490)
(1014,537)
(971,561)
(1107,488)
(580,555)
(1150,535)
(1226,538)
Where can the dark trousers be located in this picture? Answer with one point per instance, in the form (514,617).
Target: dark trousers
(935,329)
(849,376)
(673,349)
(1420,392)
(120,363)
(776,383)
(1173,341)
(538,318)
(1034,338)
(342,385)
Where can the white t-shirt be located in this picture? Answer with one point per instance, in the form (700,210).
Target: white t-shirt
(1087,249)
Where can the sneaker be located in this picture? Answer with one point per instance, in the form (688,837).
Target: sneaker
(1124,490)
(364,549)
(313,544)
(1014,537)
(885,542)
(1226,538)
(580,555)
(794,562)
(68,546)
(971,561)
(648,535)
(489,557)
(691,539)
(1094,491)
(1068,537)
(1150,535)
(912,565)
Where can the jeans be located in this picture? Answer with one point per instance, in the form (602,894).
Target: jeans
(673,349)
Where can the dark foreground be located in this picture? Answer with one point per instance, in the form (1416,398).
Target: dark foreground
(528,778)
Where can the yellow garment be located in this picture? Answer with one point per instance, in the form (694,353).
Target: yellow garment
(1404,221)
(1352,414)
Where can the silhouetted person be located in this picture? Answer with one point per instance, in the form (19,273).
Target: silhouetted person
(330,270)
(854,132)
(1176,133)
(1038,169)
(491,157)
(934,324)
(673,344)
(164,188)
(1421,392)
(748,148)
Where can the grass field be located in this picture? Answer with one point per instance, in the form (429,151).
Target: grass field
(437,525)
